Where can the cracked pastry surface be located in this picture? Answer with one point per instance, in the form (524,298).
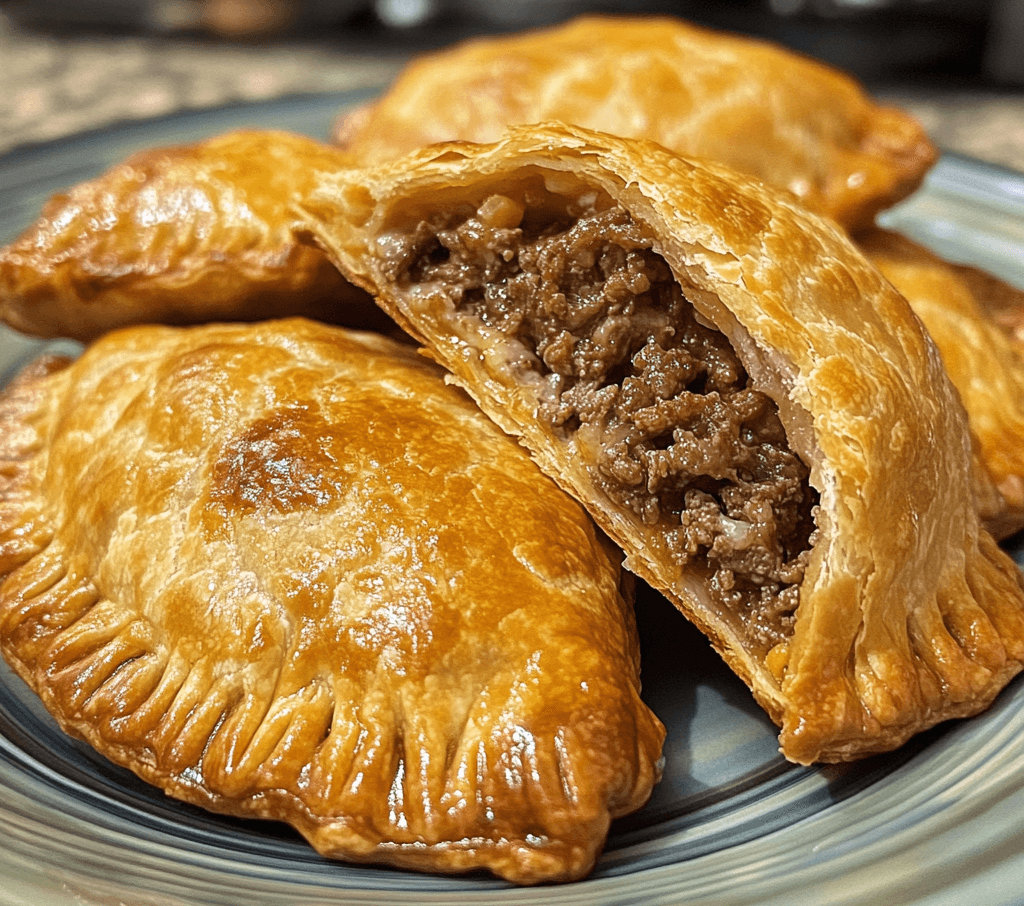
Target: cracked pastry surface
(739,398)
(285,571)
(178,235)
(787,119)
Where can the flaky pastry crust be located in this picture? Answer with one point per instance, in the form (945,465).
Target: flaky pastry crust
(178,235)
(985,364)
(286,571)
(908,612)
(789,120)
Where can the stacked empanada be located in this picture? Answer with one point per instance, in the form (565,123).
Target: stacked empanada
(961,307)
(738,397)
(179,235)
(286,571)
(789,120)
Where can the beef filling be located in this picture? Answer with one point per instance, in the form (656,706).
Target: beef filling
(684,440)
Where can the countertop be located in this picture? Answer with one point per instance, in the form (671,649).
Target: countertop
(56,85)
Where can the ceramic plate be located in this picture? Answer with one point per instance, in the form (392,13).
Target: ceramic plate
(939,822)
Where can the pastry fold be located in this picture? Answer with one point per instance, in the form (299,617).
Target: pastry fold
(787,119)
(285,571)
(738,397)
(961,307)
(179,235)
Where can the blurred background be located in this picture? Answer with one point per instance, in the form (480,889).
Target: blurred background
(70,65)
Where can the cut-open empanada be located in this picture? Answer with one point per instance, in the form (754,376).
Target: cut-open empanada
(179,235)
(286,571)
(789,120)
(736,394)
(959,306)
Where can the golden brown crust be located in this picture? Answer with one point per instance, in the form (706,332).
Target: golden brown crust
(178,235)
(908,612)
(984,364)
(285,571)
(1004,303)
(789,120)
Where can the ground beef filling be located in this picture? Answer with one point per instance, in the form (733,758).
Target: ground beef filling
(684,440)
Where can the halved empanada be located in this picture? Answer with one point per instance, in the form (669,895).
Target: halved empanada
(285,571)
(736,394)
(984,363)
(789,120)
(178,235)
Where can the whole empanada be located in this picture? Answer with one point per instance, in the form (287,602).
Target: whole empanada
(789,120)
(286,571)
(984,363)
(178,235)
(739,398)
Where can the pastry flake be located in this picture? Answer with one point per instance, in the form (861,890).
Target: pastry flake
(757,107)
(738,397)
(959,306)
(178,235)
(285,571)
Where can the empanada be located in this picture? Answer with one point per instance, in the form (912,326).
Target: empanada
(787,119)
(1003,303)
(286,571)
(178,235)
(920,268)
(734,392)
(984,363)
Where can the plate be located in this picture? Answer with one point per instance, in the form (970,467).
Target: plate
(941,821)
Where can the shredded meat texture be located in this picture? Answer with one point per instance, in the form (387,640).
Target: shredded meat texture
(685,441)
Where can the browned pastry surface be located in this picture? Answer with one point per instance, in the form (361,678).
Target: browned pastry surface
(178,235)
(738,396)
(286,571)
(787,119)
(959,306)
(1001,301)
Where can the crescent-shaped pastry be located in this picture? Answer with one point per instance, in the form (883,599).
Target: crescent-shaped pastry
(789,120)
(286,571)
(178,235)
(739,398)
(984,363)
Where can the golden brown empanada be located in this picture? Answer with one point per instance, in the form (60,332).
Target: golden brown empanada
(1003,303)
(734,392)
(982,361)
(178,235)
(286,571)
(921,272)
(789,120)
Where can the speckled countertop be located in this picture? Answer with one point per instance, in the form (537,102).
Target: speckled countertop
(52,86)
